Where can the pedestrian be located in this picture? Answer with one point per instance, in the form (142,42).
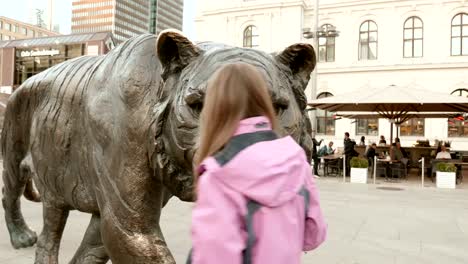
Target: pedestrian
(315,155)
(349,151)
(256,198)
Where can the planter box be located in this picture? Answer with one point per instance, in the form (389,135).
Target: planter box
(446,180)
(359,175)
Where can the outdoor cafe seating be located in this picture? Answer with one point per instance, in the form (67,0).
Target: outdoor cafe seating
(332,164)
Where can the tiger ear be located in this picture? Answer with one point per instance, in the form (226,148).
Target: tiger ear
(175,51)
(300,59)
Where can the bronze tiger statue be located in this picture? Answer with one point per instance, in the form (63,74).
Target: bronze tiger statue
(114,136)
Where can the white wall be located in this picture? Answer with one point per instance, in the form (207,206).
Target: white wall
(280,24)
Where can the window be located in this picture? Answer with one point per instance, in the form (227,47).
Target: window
(412,127)
(26,67)
(325,119)
(460,35)
(457,127)
(7,26)
(368,41)
(1,24)
(460,92)
(14,28)
(251,37)
(413,38)
(326,46)
(368,127)
(24,31)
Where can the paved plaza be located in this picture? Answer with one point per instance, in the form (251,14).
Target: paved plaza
(367,225)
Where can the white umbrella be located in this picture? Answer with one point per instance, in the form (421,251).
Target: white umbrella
(392,101)
(396,103)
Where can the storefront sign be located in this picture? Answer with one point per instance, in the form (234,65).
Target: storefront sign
(34,53)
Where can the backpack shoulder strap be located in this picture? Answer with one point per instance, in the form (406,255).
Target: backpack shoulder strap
(252,208)
(306,195)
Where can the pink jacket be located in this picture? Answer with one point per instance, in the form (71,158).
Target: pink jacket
(256,166)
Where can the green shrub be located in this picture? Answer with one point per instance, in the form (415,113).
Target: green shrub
(357,162)
(446,167)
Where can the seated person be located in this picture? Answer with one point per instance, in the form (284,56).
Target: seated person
(363,141)
(443,154)
(326,150)
(382,141)
(395,153)
(402,150)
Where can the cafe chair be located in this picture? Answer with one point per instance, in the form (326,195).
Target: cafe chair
(334,166)
(399,169)
(381,169)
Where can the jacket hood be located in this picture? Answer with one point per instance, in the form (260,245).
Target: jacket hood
(268,172)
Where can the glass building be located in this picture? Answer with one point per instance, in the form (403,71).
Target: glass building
(21,59)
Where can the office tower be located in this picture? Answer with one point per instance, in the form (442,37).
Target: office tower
(165,14)
(124,18)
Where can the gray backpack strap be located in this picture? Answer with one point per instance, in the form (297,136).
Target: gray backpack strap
(252,207)
(305,193)
(189,259)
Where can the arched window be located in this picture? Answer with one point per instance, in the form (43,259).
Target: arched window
(457,127)
(460,92)
(325,119)
(326,45)
(413,38)
(368,40)
(251,37)
(460,35)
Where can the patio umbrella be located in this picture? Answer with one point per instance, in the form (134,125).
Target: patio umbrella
(392,101)
(398,118)
(396,103)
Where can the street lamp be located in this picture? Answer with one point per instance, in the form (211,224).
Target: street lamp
(319,32)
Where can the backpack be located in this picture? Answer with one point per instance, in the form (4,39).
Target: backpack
(252,208)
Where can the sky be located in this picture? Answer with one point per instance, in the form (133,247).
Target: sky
(23,10)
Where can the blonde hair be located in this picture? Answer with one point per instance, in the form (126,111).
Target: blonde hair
(235,92)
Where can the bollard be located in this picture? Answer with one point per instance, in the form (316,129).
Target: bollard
(375,167)
(422,173)
(344,167)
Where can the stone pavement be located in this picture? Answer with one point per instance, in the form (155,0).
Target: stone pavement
(366,226)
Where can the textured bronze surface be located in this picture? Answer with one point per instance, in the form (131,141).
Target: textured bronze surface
(114,136)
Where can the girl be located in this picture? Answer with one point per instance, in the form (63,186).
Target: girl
(257,200)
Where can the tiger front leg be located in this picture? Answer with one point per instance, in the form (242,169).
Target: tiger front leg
(126,244)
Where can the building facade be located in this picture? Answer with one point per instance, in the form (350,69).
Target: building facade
(166,14)
(21,59)
(126,18)
(11,29)
(414,43)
